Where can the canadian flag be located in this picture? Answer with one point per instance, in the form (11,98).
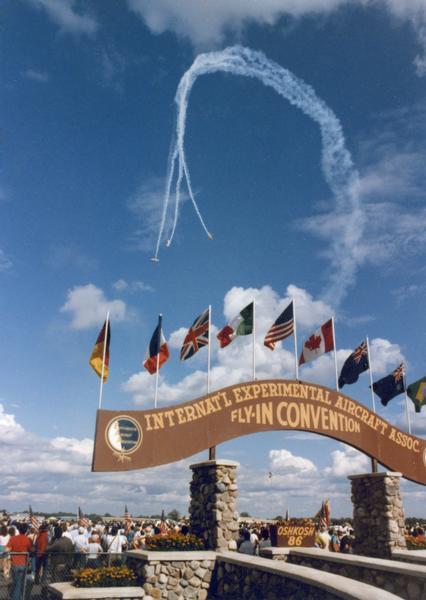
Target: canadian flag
(320,342)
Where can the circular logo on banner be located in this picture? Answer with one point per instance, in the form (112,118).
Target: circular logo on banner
(124,436)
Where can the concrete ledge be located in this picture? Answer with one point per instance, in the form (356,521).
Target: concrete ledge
(67,591)
(368,562)
(215,463)
(175,556)
(379,474)
(342,587)
(411,556)
(274,551)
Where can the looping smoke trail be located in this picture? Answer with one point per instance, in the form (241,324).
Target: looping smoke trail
(336,161)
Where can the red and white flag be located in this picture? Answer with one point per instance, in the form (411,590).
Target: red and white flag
(320,342)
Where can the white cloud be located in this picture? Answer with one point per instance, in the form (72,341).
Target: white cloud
(35,75)
(121,285)
(5,262)
(347,462)
(10,430)
(88,307)
(385,356)
(285,461)
(205,24)
(64,14)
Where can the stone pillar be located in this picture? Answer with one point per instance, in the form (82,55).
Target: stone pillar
(212,508)
(378,514)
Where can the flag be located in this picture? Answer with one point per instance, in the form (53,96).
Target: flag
(320,342)
(417,392)
(127,520)
(97,356)
(390,386)
(324,514)
(354,365)
(240,325)
(157,347)
(197,336)
(82,520)
(281,329)
(33,520)
(163,523)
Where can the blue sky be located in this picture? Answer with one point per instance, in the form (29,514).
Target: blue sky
(88,117)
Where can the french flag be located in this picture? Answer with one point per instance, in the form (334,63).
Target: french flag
(157,352)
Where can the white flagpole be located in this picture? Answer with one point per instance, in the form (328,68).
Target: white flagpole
(371,374)
(254,339)
(208,350)
(406,402)
(335,353)
(374,468)
(158,359)
(296,360)
(103,359)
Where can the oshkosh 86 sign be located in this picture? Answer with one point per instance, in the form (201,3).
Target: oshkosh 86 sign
(295,533)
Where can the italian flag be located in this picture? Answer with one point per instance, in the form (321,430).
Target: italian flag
(240,325)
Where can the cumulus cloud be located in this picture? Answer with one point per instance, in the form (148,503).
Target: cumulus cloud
(64,14)
(347,461)
(234,363)
(88,306)
(284,461)
(205,24)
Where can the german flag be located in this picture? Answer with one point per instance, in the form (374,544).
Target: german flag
(96,358)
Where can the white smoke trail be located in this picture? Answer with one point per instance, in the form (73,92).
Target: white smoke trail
(336,161)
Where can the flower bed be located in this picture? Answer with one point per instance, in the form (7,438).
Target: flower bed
(173,541)
(105,577)
(415,543)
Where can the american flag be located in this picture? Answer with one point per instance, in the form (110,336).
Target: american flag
(281,329)
(197,336)
(82,520)
(127,519)
(33,520)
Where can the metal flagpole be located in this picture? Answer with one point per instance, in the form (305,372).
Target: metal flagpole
(296,360)
(208,350)
(212,449)
(374,468)
(160,317)
(103,359)
(254,339)
(406,400)
(335,353)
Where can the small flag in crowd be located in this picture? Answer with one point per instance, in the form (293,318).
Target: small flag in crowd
(127,519)
(33,520)
(157,348)
(324,514)
(197,336)
(417,392)
(97,357)
(390,386)
(281,329)
(240,325)
(320,342)
(354,365)
(82,520)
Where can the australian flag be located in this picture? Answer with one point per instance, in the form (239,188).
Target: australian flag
(197,336)
(390,386)
(354,365)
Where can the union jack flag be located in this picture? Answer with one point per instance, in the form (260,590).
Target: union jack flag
(197,336)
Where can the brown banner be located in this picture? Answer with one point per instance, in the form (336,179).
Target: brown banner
(137,439)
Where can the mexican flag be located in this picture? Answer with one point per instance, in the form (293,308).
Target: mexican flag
(240,325)
(417,392)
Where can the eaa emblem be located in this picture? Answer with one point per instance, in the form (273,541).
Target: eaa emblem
(124,436)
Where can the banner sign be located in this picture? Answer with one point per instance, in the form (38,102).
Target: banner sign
(294,533)
(137,439)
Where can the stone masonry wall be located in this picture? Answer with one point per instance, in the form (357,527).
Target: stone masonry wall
(378,514)
(212,510)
